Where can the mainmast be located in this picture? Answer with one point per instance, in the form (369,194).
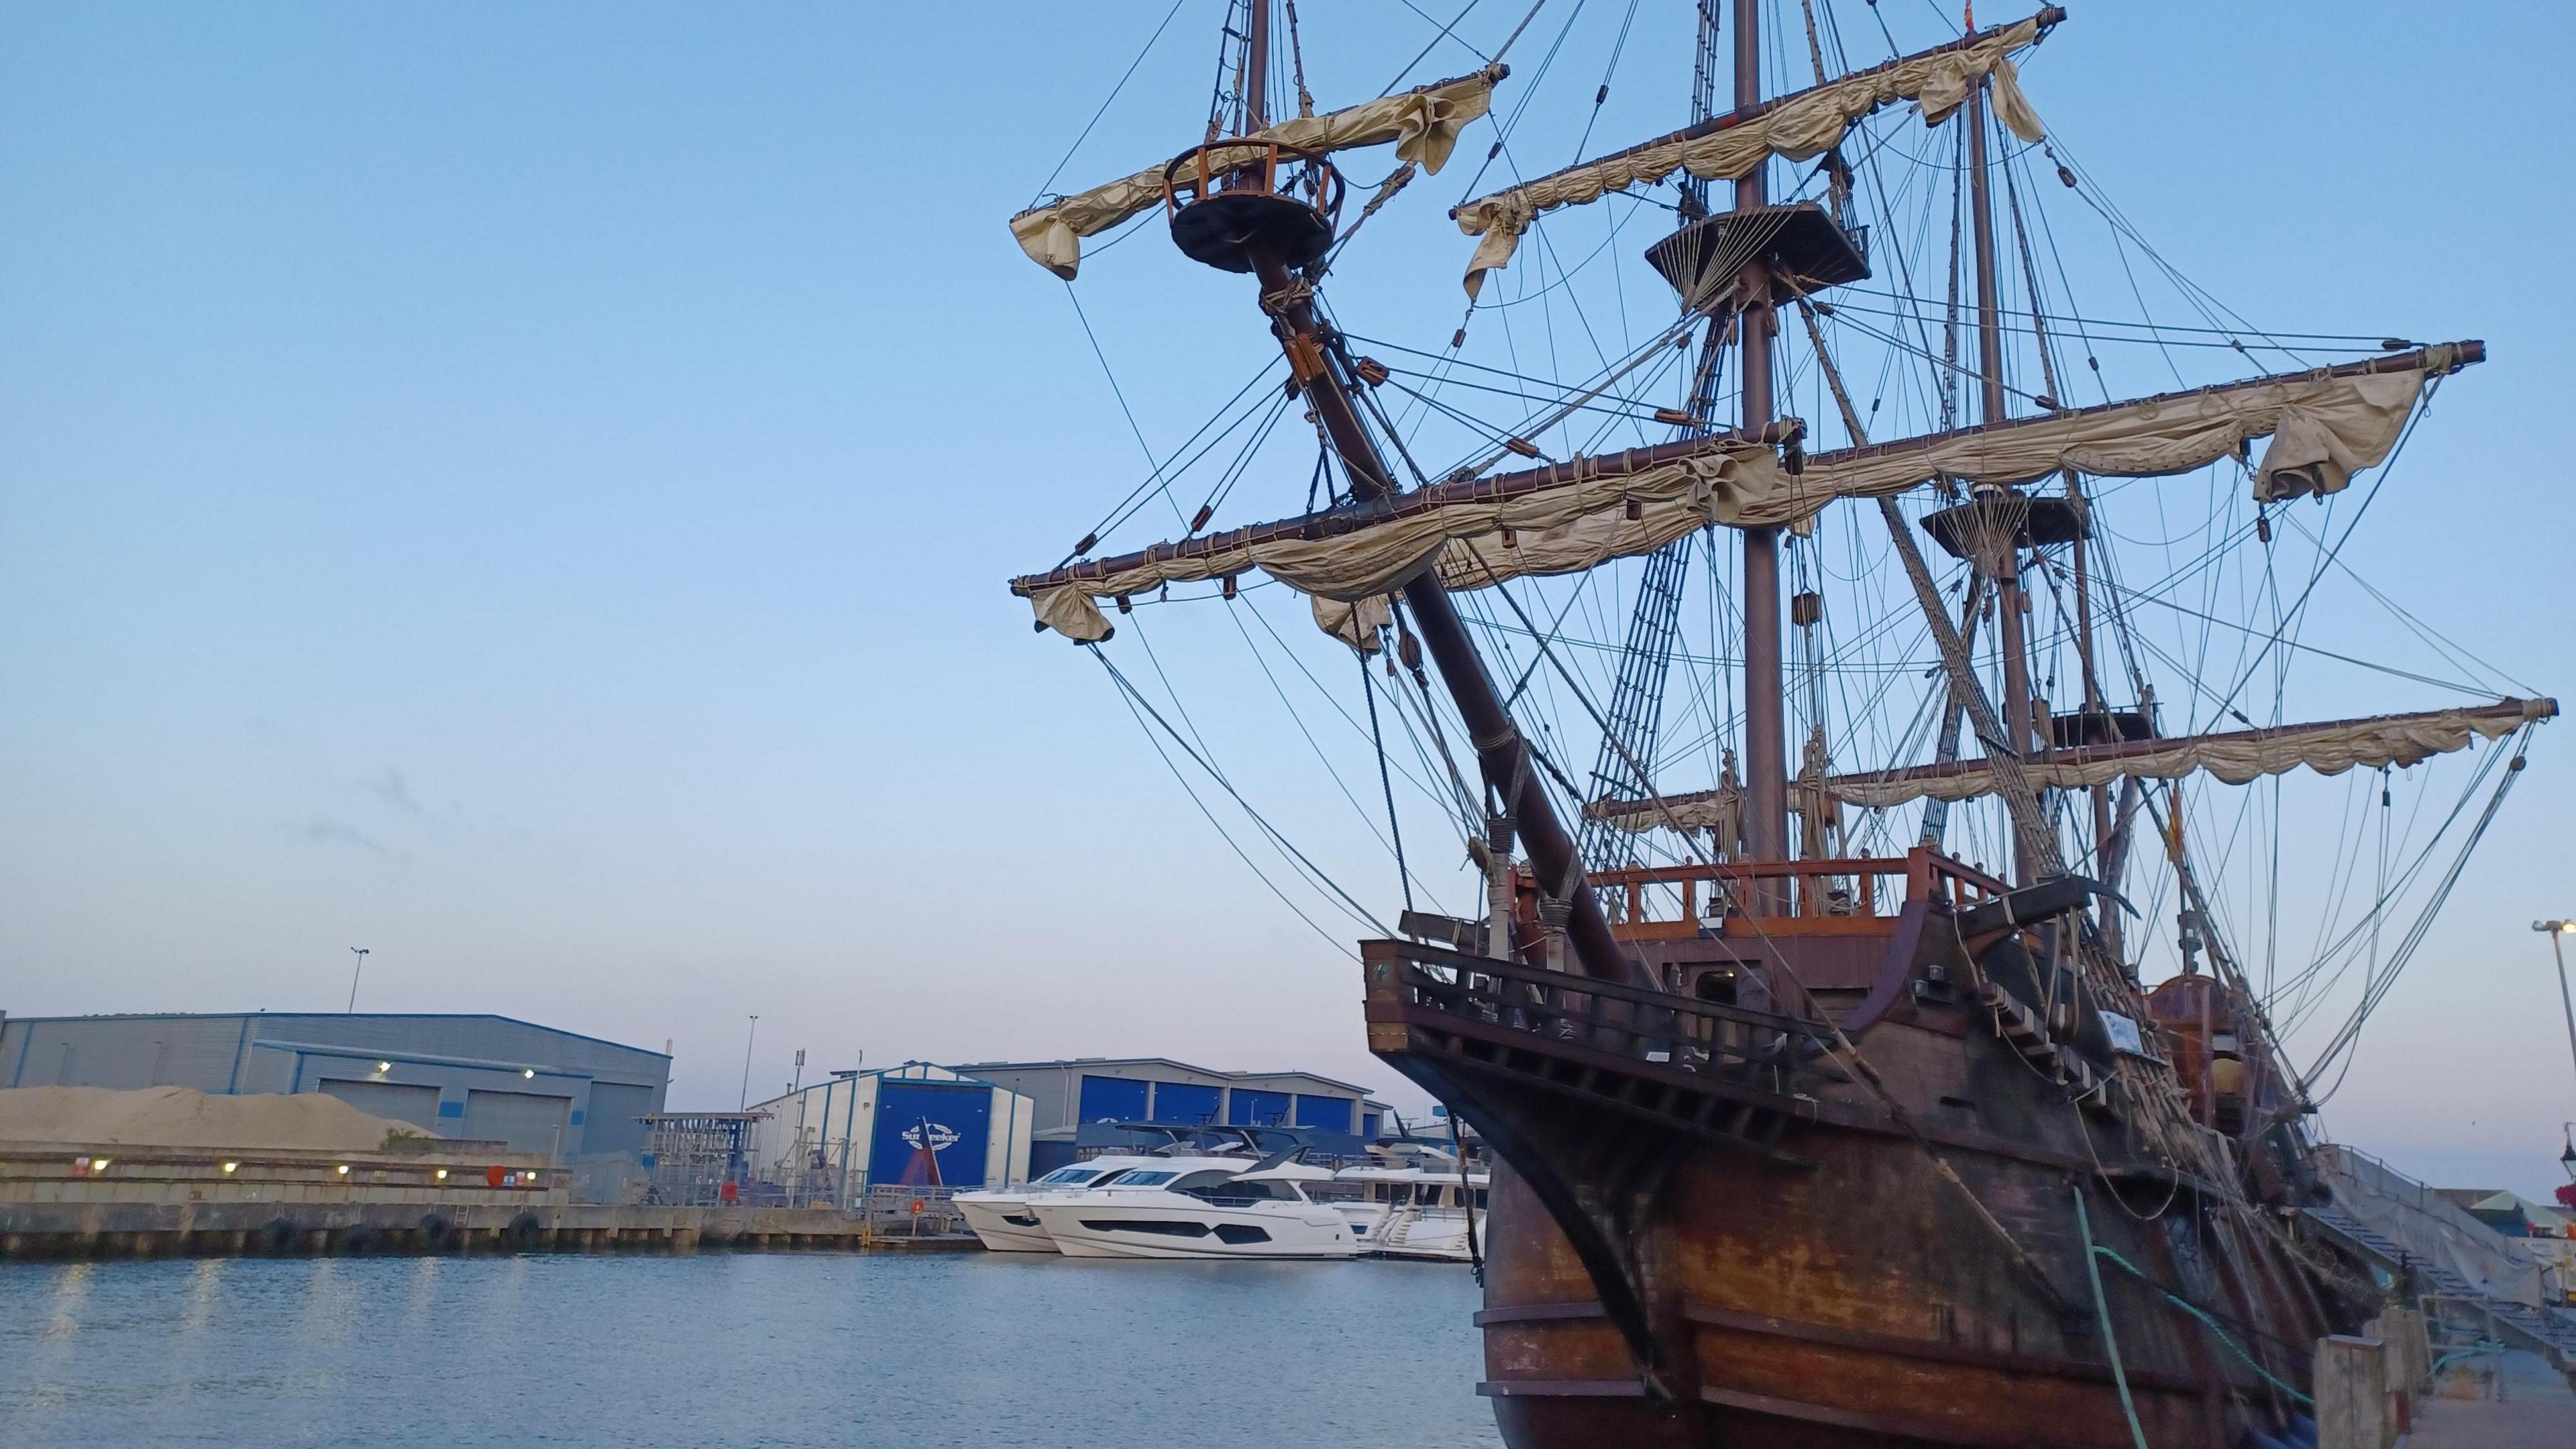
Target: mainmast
(2004,554)
(1766,749)
(1256,67)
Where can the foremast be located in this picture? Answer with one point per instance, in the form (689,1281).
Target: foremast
(1319,369)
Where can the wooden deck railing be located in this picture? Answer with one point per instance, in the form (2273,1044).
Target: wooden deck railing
(1412,984)
(1668,901)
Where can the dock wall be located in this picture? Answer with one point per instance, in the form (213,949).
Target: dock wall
(68,1201)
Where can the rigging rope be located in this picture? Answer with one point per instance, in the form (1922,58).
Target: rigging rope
(1128,75)
(1281,841)
(1369,686)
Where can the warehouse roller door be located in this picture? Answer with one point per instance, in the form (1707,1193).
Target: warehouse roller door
(1185,1102)
(1113,1099)
(1333,1114)
(396,1101)
(610,1125)
(526,1121)
(1252,1108)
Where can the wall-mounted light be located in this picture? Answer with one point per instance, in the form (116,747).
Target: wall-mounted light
(442,1174)
(530,1073)
(344,1169)
(98,1164)
(384,1066)
(229,1166)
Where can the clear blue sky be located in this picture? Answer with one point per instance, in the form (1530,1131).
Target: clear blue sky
(527,490)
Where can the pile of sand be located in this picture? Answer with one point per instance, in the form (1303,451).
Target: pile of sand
(184,1117)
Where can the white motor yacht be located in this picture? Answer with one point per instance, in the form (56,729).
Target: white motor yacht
(1413,1212)
(1001,1216)
(1198,1207)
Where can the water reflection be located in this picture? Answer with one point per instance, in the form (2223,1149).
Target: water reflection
(789,1350)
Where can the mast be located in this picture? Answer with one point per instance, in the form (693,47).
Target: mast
(1637,698)
(1990,366)
(1502,755)
(1500,751)
(1766,751)
(1256,67)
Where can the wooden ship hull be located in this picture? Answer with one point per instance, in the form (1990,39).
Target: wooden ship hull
(1707,1229)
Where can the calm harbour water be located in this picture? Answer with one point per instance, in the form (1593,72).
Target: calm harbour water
(752,1349)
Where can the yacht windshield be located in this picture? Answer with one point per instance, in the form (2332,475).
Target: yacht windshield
(1144,1179)
(1068,1176)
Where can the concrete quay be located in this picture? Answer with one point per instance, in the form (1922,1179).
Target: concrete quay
(148,1230)
(63,1200)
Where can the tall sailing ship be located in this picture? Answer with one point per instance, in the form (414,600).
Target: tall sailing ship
(1810,1130)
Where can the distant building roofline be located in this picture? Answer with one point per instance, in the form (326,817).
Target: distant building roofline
(1230,1078)
(956,1078)
(329,1016)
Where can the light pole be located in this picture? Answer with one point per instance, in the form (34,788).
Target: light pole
(747,1039)
(2558,933)
(354,975)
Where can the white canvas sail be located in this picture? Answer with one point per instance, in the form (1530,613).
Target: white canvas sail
(2324,425)
(2236,757)
(1797,127)
(1424,125)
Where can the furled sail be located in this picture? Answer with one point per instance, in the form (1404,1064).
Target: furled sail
(2324,425)
(2236,757)
(1477,532)
(1795,127)
(1571,516)
(1424,125)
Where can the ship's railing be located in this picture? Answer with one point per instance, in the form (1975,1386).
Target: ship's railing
(1296,173)
(1678,901)
(1755,1048)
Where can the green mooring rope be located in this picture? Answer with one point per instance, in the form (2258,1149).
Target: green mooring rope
(2196,1311)
(2102,1310)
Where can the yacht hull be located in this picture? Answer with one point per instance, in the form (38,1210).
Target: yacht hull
(1004,1224)
(1130,1229)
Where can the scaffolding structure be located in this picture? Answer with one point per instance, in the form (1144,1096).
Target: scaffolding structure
(698,1159)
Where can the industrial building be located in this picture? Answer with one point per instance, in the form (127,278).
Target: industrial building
(1158,1089)
(482,1078)
(907,1127)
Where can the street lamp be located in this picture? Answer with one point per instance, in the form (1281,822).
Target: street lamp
(2559,931)
(747,1039)
(353,977)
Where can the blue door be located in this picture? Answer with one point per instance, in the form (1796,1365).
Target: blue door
(1333,1114)
(1184,1102)
(1258,1109)
(1112,1099)
(930,1134)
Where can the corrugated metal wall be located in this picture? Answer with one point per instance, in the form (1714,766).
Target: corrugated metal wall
(528,1121)
(391,1060)
(609,1124)
(122,1052)
(416,1104)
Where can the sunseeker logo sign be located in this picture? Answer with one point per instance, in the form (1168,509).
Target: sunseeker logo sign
(933,1136)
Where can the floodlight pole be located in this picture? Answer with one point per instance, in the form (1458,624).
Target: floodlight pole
(748,1038)
(2557,944)
(360,970)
